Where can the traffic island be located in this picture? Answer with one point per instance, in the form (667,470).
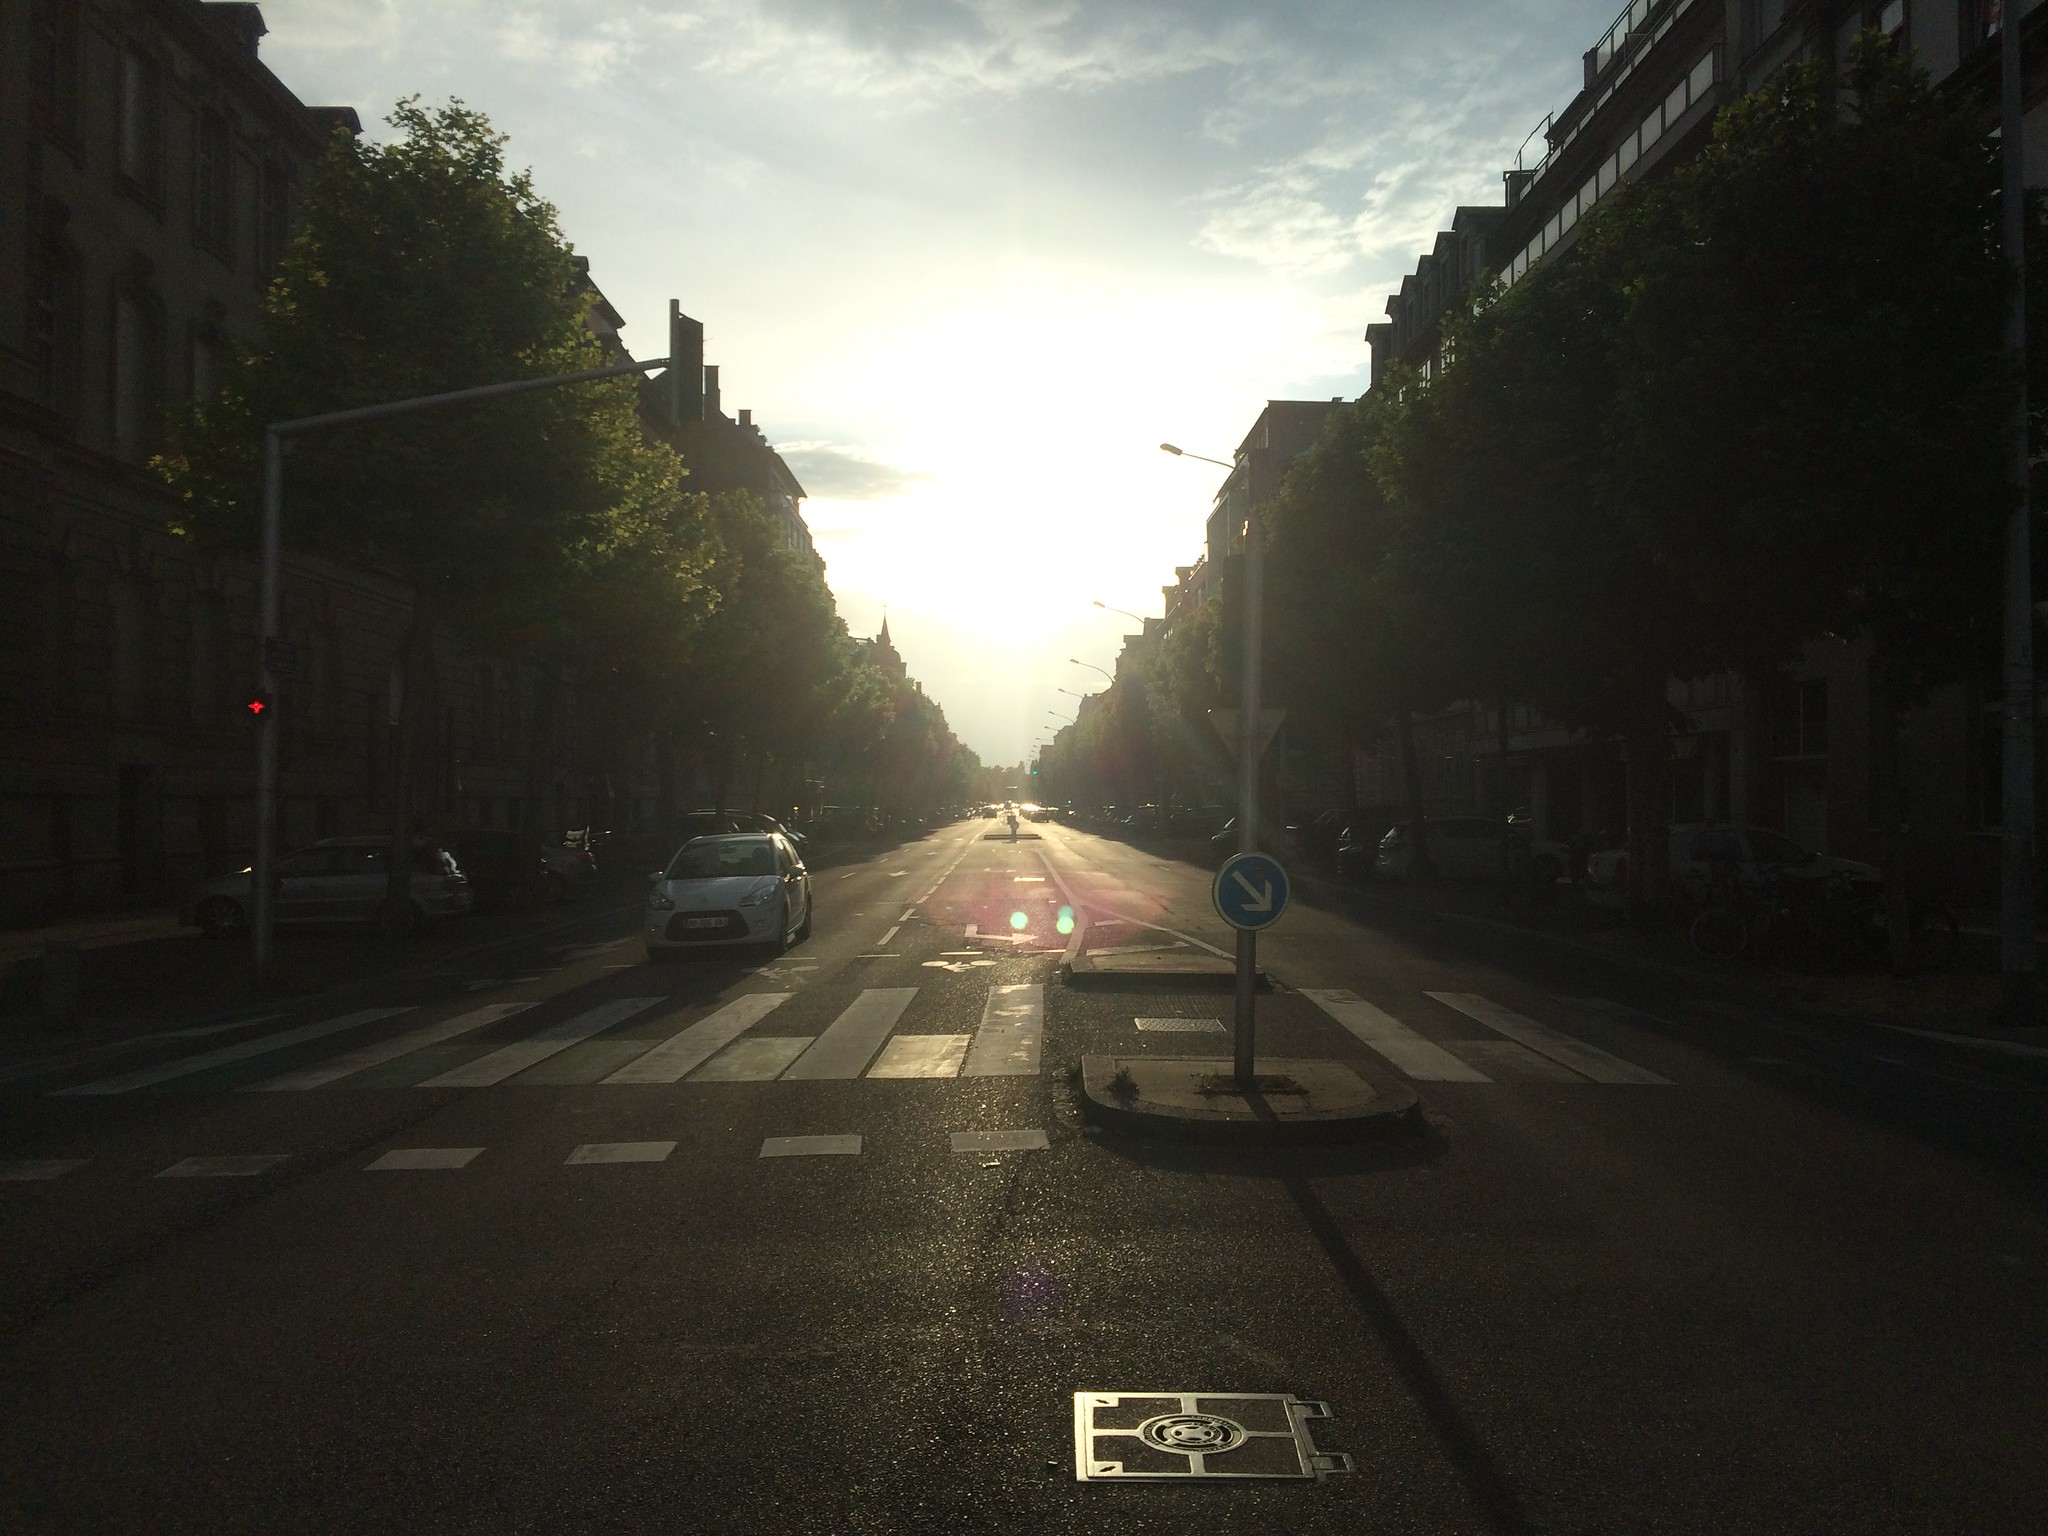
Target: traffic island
(1293,1101)
(1170,969)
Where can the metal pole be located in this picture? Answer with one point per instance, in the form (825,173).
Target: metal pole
(262,869)
(262,916)
(1248,733)
(2016,917)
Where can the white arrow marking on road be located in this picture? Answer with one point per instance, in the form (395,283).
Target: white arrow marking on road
(1261,895)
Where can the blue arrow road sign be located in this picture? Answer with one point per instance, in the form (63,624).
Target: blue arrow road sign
(1251,890)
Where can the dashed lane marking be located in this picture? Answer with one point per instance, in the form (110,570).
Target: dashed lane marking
(224,1167)
(999,1141)
(811,1146)
(26,1170)
(423,1159)
(620,1152)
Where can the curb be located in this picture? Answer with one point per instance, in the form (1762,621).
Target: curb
(1083,971)
(1396,1111)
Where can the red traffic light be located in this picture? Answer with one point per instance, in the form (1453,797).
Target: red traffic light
(258,706)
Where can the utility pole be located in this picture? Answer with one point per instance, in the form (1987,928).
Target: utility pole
(2016,907)
(262,874)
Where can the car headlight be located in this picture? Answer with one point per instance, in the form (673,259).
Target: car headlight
(660,900)
(758,894)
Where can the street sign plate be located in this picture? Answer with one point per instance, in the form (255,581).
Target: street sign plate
(1250,890)
(281,657)
(1225,721)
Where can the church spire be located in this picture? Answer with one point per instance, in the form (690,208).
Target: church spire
(883,637)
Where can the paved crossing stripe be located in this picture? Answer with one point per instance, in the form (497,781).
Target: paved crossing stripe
(851,1040)
(419,1159)
(1587,1060)
(921,1056)
(321,1073)
(223,1167)
(687,1049)
(507,1060)
(23,1170)
(149,1077)
(752,1061)
(811,1146)
(999,1141)
(1012,1031)
(622,1152)
(1421,1059)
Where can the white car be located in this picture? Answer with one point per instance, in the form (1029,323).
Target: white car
(739,888)
(337,880)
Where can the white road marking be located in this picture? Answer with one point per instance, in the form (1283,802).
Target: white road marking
(908,912)
(509,1060)
(897,873)
(972,930)
(413,1159)
(811,1146)
(1182,1026)
(999,1141)
(1587,1060)
(496,981)
(946,872)
(149,1077)
(959,954)
(320,1074)
(621,1152)
(891,934)
(752,1061)
(1421,1059)
(224,1167)
(1011,1034)
(851,1040)
(683,1052)
(921,1056)
(23,1170)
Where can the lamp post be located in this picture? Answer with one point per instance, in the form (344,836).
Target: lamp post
(1107,608)
(262,910)
(1248,744)
(2017,873)
(1078,662)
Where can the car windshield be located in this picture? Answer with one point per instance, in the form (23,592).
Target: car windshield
(723,859)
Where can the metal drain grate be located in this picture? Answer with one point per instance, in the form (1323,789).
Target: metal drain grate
(1182,1026)
(1197,1436)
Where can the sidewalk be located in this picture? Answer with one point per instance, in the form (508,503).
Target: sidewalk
(90,933)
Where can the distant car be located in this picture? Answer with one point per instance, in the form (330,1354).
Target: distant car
(338,880)
(737,888)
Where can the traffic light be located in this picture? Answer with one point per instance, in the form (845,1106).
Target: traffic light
(257,706)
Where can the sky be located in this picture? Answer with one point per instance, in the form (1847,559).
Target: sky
(969,262)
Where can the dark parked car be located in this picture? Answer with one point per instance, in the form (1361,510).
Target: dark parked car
(504,866)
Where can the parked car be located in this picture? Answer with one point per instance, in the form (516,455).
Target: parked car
(569,872)
(1749,853)
(1356,854)
(503,866)
(337,880)
(1468,848)
(736,888)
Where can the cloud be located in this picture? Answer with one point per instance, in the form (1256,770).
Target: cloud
(843,474)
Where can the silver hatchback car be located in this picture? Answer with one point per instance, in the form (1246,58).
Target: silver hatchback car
(337,880)
(739,888)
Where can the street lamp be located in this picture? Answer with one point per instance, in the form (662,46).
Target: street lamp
(1182,453)
(1078,662)
(1106,608)
(1073,695)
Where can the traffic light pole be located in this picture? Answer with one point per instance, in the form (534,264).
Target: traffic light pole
(263,870)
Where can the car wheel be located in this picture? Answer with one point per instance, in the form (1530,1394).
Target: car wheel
(220,918)
(804,932)
(779,945)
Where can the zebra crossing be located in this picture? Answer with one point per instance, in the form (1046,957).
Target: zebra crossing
(1526,1050)
(602,1045)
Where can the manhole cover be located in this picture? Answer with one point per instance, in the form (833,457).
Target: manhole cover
(1184,1436)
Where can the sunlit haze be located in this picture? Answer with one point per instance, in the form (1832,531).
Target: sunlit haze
(969,263)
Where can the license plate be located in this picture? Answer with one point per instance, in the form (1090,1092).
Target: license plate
(703,922)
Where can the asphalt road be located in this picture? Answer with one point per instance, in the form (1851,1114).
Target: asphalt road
(532,1243)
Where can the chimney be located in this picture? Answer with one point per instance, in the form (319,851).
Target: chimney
(746,417)
(242,24)
(711,412)
(685,366)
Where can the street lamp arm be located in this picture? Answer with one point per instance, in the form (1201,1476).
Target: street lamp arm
(458,397)
(1106,608)
(1078,662)
(1182,453)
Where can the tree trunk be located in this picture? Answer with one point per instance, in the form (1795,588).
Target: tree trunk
(408,673)
(1420,865)
(1890,811)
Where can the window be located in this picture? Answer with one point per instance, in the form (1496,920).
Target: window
(138,374)
(52,328)
(213,184)
(53,67)
(140,153)
(273,227)
(1977,22)
(1700,84)
(1888,17)
(1763,17)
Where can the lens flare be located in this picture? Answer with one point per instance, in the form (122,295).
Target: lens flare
(1066,920)
(1019,920)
